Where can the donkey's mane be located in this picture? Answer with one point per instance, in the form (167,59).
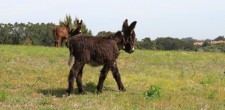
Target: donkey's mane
(96,39)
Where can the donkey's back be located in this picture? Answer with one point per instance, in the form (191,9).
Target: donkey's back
(94,50)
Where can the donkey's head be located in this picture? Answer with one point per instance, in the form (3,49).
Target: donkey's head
(78,28)
(128,36)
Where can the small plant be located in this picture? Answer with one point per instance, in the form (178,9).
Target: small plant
(2,96)
(206,82)
(153,92)
(212,95)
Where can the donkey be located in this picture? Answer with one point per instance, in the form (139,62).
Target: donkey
(97,51)
(61,33)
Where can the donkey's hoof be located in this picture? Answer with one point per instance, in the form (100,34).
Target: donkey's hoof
(82,93)
(122,89)
(98,92)
(68,92)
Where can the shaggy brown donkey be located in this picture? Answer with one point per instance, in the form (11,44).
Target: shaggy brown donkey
(61,33)
(97,51)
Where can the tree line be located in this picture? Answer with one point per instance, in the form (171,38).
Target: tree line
(41,34)
(34,34)
(30,34)
(186,44)
(166,43)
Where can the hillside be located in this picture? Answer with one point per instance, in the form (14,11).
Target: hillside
(35,77)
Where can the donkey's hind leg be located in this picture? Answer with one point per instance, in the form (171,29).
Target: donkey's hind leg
(117,77)
(73,73)
(67,43)
(102,77)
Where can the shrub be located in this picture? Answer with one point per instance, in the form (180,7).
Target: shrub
(153,92)
(212,95)
(207,81)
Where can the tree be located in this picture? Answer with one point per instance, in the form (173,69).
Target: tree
(104,33)
(18,33)
(188,43)
(188,39)
(219,38)
(206,43)
(146,43)
(169,43)
(73,24)
(85,30)
(67,21)
(6,33)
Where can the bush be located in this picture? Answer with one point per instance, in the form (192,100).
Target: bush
(153,92)
(212,48)
(212,95)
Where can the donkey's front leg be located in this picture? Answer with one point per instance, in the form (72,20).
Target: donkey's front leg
(56,43)
(116,76)
(79,81)
(102,77)
(73,73)
(59,42)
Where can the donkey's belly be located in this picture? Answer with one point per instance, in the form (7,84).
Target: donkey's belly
(94,63)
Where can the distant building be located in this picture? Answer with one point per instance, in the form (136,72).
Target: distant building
(217,42)
(198,43)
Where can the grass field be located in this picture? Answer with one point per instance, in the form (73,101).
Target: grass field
(35,77)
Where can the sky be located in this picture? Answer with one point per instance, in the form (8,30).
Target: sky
(199,19)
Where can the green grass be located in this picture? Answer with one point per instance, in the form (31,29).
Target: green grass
(34,77)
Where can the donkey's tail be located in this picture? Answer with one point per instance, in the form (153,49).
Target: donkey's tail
(70,60)
(71,55)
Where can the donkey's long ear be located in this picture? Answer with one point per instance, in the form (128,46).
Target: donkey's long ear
(125,24)
(77,21)
(81,21)
(132,25)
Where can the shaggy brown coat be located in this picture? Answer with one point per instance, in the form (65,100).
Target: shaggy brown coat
(60,34)
(98,51)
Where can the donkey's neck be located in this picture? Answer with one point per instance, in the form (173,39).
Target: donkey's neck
(118,37)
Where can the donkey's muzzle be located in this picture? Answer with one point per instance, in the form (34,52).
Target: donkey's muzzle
(129,48)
